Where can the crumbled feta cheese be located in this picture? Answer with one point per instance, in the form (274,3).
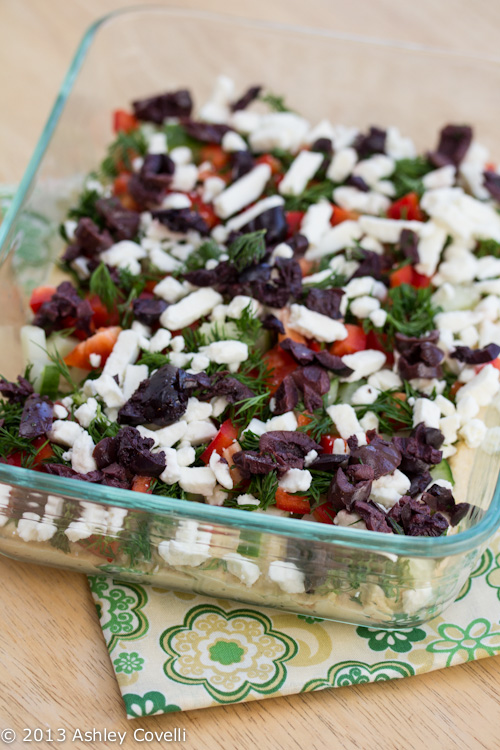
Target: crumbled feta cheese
(387,230)
(243,191)
(181,155)
(247,500)
(221,470)
(473,432)
(160,340)
(310,457)
(482,387)
(449,427)
(387,489)
(86,412)
(286,422)
(197,410)
(378,318)
(59,411)
(134,375)
(457,320)
(200,480)
(340,446)
(288,577)
(92,521)
(385,380)
(282,251)
(440,178)
(316,221)
(186,455)
(189,309)
(365,394)
(279,130)
(296,480)
(219,405)
(431,243)
(64,432)
(124,254)
(125,352)
(249,214)
(191,545)
(200,431)
(446,407)
(170,289)
(362,307)
(240,303)
(375,168)
(212,187)
(363,363)
(257,426)
(229,352)
(172,472)
(335,239)
(398,146)
(345,420)
(82,459)
(302,169)
(184,177)
(370,421)
(168,436)
(232,141)
(426,411)
(315,325)
(95,359)
(177,344)
(247,572)
(353,199)
(343,518)
(342,164)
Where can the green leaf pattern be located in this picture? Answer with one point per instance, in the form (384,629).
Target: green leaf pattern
(184,652)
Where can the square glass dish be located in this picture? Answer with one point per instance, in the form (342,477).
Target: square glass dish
(344,574)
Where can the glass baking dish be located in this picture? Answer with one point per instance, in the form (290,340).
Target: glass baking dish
(321,570)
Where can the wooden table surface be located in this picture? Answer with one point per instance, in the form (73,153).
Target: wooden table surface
(54,667)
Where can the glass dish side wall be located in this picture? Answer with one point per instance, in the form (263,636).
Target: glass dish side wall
(285,572)
(320,75)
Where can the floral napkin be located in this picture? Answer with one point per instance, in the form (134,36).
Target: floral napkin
(173,651)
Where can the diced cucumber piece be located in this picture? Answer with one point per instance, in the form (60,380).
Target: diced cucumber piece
(346,391)
(34,345)
(458,297)
(443,471)
(250,543)
(332,394)
(49,381)
(61,345)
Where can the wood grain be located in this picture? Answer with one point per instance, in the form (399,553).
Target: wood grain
(54,667)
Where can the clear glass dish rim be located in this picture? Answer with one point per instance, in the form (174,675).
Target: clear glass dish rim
(430,547)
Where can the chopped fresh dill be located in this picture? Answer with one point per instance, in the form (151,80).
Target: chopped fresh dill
(208,250)
(169,490)
(407,176)
(309,196)
(248,249)
(100,427)
(249,441)
(123,151)
(488,247)
(177,136)
(330,282)
(154,360)
(245,410)
(393,411)
(135,542)
(274,102)
(85,208)
(319,424)
(248,326)
(321,481)
(103,285)
(10,440)
(264,487)
(61,367)
(409,311)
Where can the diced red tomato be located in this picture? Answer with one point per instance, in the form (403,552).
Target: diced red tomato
(128,202)
(407,208)
(378,341)
(225,437)
(303,420)
(205,210)
(102,343)
(327,442)
(215,155)
(271,161)
(455,388)
(100,547)
(355,341)
(306,266)
(341,214)
(101,317)
(281,363)
(408,275)
(120,184)
(314,345)
(324,513)
(141,484)
(44,450)
(294,220)
(15,459)
(403,275)
(40,295)
(291,503)
(124,121)
(420,281)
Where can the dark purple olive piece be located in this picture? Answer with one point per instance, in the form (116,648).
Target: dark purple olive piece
(36,418)
(160,400)
(158,108)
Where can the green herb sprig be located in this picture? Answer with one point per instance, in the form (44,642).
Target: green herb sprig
(247,250)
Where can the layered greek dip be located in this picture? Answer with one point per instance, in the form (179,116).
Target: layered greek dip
(263,313)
